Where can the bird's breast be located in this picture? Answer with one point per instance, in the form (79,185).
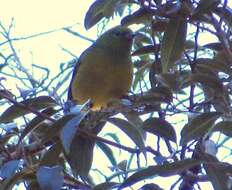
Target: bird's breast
(103,80)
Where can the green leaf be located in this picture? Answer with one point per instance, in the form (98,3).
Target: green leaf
(108,152)
(141,16)
(146,50)
(173,43)
(198,126)
(98,10)
(16,111)
(164,170)
(224,127)
(131,130)
(80,156)
(50,178)
(105,186)
(161,128)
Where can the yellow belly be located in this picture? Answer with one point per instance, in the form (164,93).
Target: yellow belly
(102,82)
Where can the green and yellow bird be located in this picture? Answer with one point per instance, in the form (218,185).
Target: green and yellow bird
(104,71)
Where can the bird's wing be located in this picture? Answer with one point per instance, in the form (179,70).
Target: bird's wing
(73,76)
(80,61)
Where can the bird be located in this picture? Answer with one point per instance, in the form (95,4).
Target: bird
(104,71)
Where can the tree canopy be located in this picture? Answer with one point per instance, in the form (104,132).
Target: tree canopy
(177,116)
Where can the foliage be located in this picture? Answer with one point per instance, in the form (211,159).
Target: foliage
(46,147)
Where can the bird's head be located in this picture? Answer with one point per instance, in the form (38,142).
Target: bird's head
(117,38)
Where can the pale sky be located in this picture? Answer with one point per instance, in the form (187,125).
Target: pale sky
(32,16)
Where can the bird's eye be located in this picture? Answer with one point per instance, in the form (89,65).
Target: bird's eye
(117,33)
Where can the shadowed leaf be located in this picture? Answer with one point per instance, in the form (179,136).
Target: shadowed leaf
(198,126)
(161,128)
(162,170)
(51,156)
(131,130)
(146,50)
(173,43)
(224,127)
(16,111)
(100,9)
(105,186)
(212,65)
(80,156)
(142,16)
(205,79)
(50,178)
